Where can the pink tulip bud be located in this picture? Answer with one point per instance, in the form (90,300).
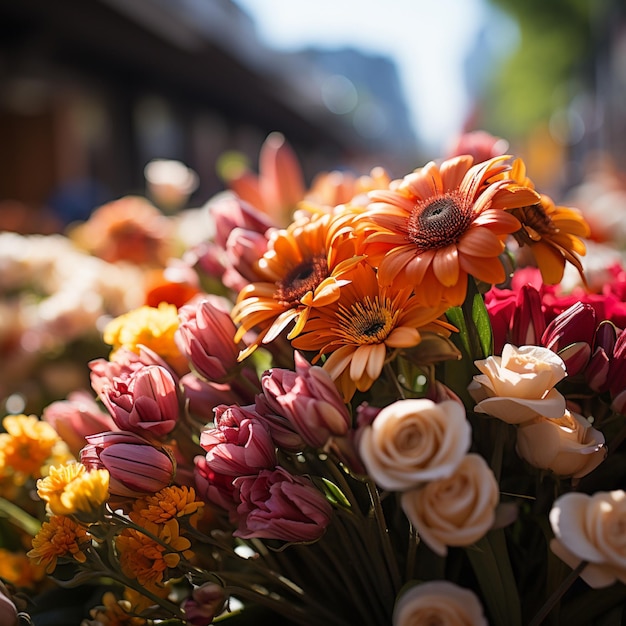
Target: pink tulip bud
(201,397)
(243,250)
(204,604)
(230,212)
(136,466)
(206,336)
(76,417)
(282,430)
(528,319)
(215,488)
(146,404)
(500,304)
(577,323)
(8,610)
(277,505)
(123,365)
(309,399)
(239,444)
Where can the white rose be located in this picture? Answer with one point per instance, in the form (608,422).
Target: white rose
(454,511)
(438,602)
(414,441)
(518,386)
(591,528)
(569,446)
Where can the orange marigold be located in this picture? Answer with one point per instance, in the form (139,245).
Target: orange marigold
(442,223)
(59,537)
(168,503)
(25,446)
(147,560)
(113,612)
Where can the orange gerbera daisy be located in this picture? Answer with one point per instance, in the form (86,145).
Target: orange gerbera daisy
(303,269)
(442,223)
(363,328)
(551,232)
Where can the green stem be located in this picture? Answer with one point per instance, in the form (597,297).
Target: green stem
(383,532)
(557,594)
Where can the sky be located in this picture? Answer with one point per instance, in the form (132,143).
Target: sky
(428,40)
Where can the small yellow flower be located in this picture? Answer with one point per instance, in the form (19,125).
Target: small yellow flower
(70,489)
(168,503)
(145,559)
(25,446)
(114,612)
(16,568)
(59,537)
(153,327)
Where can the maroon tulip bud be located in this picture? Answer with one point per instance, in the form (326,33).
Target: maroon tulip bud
(238,444)
(575,324)
(575,356)
(529,322)
(205,336)
(146,404)
(597,371)
(135,465)
(309,399)
(277,505)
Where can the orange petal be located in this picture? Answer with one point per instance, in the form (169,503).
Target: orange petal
(393,263)
(487,269)
(480,241)
(446,265)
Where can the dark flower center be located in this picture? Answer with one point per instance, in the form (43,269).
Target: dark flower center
(536,221)
(301,279)
(368,321)
(439,222)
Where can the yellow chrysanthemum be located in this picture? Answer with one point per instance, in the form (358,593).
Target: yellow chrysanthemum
(364,327)
(114,612)
(17,569)
(153,327)
(59,537)
(303,270)
(147,561)
(72,490)
(552,233)
(167,504)
(25,446)
(442,223)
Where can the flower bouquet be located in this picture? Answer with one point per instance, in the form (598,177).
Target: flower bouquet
(382,407)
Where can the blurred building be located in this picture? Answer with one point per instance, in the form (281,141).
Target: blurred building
(92,91)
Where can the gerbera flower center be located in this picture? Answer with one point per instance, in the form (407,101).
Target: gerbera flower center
(440,221)
(304,277)
(367,322)
(536,221)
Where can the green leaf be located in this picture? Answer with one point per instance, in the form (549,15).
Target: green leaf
(489,558)
(482,323)
(334,494)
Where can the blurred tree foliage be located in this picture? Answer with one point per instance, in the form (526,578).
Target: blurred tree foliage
(553,62)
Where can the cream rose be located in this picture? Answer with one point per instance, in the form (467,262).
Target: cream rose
(414,441)
(438,602)
(591,528)
(569,446)
(518,386)
(454,511)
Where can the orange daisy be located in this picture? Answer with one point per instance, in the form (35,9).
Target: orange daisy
(442,223)
(303,269)
(364,327)
(552,233)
